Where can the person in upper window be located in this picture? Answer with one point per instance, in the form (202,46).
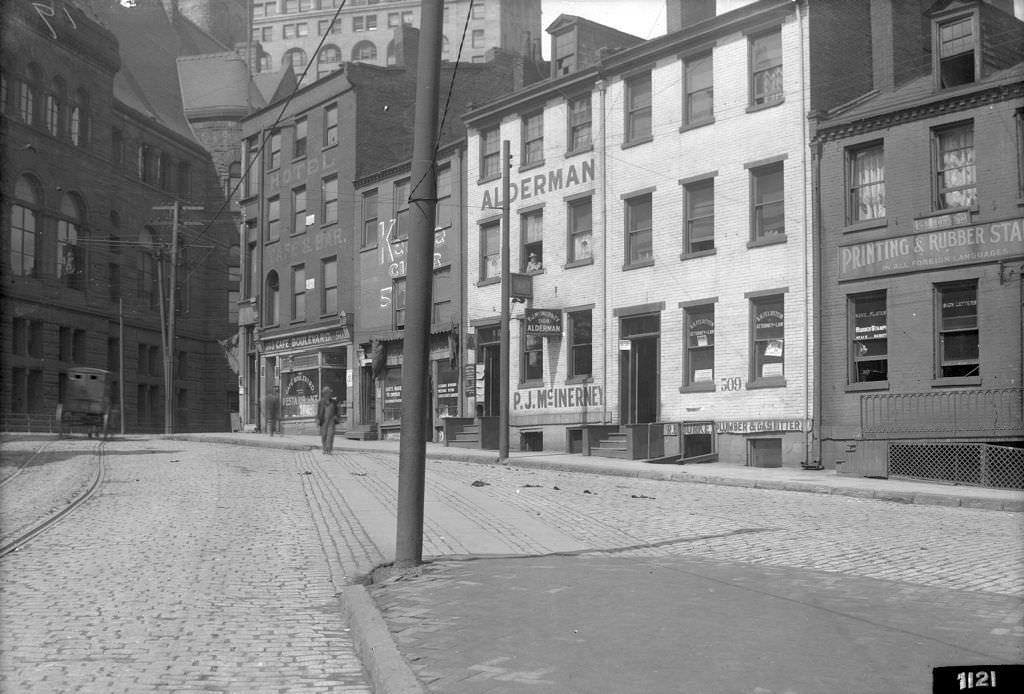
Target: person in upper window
(533,264)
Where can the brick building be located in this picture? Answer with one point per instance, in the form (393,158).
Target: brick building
(312,299)
(289,31)
(921,247)
(96,158)
(660,219)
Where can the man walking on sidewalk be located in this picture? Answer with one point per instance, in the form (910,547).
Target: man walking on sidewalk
(273,410)
(326,419)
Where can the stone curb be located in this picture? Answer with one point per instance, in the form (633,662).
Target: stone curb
(388,670)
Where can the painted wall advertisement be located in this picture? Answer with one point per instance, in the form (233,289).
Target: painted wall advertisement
(932,249)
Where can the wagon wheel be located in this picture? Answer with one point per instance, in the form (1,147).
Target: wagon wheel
(60,419)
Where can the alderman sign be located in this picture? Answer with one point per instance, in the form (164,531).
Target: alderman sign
(932,249)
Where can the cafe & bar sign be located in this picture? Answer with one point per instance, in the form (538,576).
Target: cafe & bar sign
(932,249)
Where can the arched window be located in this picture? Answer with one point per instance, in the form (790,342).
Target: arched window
(25,226)
(145,269)
(296,57)
(70,258)
(364,51)
(28,94)
(56,98)
(271,300)
(234,178)
(80,122)
(234,282)
(329,59)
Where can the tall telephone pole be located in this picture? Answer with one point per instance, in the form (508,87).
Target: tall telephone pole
(169,394)
(416,340)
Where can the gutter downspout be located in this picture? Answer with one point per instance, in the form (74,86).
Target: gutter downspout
(810,287)
(602,86)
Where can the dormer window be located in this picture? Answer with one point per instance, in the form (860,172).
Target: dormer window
(957,47)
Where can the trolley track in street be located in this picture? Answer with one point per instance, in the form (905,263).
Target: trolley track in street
(25,536)
(24,464)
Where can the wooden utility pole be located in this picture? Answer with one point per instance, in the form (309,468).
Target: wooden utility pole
(169,388)
(419,281)
(506,291)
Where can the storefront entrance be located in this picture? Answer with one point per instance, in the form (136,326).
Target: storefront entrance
(489,357)
(639,379)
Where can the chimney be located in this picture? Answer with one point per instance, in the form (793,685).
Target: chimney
(682,14)
(898,42)
(407,47)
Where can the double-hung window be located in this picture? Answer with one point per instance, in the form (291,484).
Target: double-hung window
(699,350)
(955,181)
(443,296)
(866,183)
(531,368)
(299,292)
(329,286)
(767,328)
(399,299)
(490,154)
(638,108)
(580,217)
(533,139)
(700,216)
(401,209)
(869,338)
(274,218)
(301,128)
(331,125)
(698,76)
(957,51)
(768,216)
(581,344)
(443,210)
(490,251)
(639,230)
(274,151)
(957,330)
(299,210)
(580,118)
(532,238)
(329,199)
(766,69)
(369,219)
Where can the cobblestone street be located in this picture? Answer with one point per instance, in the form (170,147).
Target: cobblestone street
(204,566)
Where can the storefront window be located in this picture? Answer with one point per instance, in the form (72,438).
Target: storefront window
(958,331)
(768,353)
(393,394)
(870,344)
(447,389)
(300,393)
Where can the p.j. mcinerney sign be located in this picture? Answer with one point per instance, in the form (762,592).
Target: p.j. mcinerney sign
(945,247)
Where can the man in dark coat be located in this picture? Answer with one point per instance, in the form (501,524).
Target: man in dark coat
(326,416)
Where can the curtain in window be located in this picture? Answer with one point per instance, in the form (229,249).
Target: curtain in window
(869,184)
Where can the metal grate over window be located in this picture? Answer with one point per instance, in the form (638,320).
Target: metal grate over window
(975,464)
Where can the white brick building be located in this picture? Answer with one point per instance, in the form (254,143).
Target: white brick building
(665,192)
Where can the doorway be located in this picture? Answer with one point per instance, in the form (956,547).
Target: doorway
(639,369)
(489,355)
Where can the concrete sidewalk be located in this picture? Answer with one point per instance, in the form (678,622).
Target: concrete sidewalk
(482,615)
(724,473)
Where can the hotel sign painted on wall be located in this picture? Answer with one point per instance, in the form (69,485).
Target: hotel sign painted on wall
(931,249)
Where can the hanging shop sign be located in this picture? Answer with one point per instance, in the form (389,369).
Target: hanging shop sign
(544,321)
(941,248)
